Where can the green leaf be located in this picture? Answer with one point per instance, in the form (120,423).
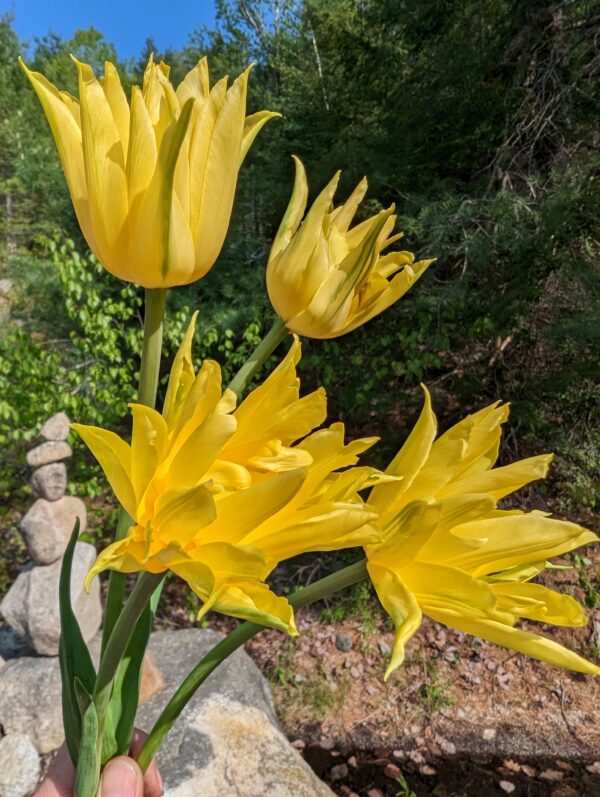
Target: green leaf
(76,669)
(122,708)
(88,765)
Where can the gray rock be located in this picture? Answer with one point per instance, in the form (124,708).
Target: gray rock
(343,642)
(19,766)
(31,604)
(6,287)
(30,701)
(50,451)
(50,481)
(56,427)
(49,524)
(226,743)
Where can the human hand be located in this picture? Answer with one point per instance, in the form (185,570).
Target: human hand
(121,777)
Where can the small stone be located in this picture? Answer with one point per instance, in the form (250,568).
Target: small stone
(56,427)
(448,747)
(343,642)
(564,791)
(488,734)
(339,772)
(299,744)
(552,775)
(352,762)
(384,647)
(529,771)
(428,770)
(152,680)
(50,481)
(375,793)
(507,786)
(50,451)
(593,769)
(511,765)
(6,286)
(399,755)
(19,766)
(49,524)
(31,604)
(327,744)
(392,771)
(416,757)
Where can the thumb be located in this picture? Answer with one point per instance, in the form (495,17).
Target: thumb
(121,777)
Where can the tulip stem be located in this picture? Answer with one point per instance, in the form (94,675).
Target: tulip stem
(154,313)
(259,356)
(317,591)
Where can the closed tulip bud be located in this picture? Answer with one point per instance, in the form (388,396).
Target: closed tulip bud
(152,180)
(325,279)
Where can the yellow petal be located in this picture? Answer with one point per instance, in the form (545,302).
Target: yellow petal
(536,602)
(104,162)
(500,482)
(148,441)
(114,457)
(295,210)
(117,101)
(254,601)
(182,375)
(252,127)
(402,607)
(167,255)
(63,115)
(408,461)
(182,513)
(503,542)
(538,647)
(216,192)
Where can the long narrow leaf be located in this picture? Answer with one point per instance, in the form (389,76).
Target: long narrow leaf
(74,656)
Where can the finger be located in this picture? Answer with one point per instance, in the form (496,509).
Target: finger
(121,777)
(153,783)
(60,780)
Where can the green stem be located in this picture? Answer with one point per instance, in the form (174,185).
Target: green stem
(259,356)
(123,629)
(317,591)
(154,312)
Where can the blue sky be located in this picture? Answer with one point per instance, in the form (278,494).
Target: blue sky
(126,24)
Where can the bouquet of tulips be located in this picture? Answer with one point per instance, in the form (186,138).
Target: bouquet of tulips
(222,484)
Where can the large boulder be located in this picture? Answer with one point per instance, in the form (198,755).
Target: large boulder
(50,451)
(19,766)
(31,604)
(50,481)
(56,427)
(227,742)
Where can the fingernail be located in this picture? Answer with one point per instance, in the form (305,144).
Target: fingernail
(119,779)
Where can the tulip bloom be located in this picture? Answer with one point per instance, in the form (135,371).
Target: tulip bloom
(153,181)
(325,279)
(220,495)
(449,552)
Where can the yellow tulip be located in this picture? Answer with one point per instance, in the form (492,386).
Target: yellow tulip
(220,495)
(325,279)
(152,181)
(448,552)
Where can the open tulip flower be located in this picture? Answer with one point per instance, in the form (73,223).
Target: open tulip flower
(449,552)
(324,278)
(220,495)
(153,181)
